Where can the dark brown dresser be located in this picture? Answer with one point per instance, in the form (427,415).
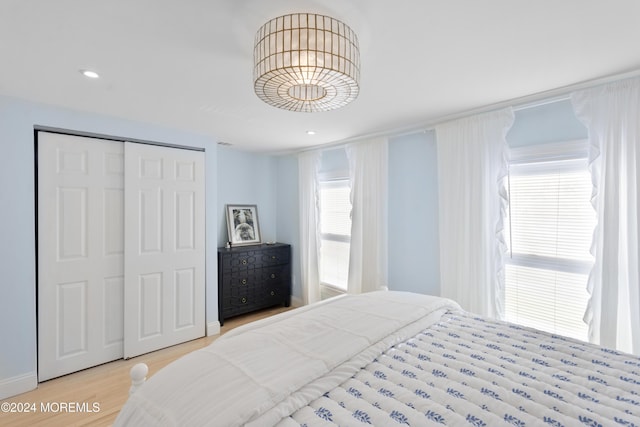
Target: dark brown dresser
(253,277)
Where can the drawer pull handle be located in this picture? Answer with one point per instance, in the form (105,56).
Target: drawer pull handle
(273,276)
(243,300)
(273,293)
(244,281)
(244,262)
(274,257)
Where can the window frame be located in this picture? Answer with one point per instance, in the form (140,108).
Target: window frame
(533,167)
(343,238)
(561,156)
(332,179)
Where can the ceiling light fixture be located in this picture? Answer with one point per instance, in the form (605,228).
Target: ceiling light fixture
(306,62)
(90,74)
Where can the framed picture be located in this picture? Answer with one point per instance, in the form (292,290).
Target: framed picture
(242,225)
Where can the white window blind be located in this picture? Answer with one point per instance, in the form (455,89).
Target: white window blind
(549,230)
(335,232)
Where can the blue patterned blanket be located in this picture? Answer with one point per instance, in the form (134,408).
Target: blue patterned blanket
(466,370)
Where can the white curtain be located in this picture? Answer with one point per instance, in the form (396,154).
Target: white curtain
(472,166)
(612,115)
(368,172)
(308,164)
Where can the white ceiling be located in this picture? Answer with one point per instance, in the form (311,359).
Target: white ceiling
(187,64)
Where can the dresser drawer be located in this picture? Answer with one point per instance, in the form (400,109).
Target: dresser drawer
(275,256)
(249,299)
(240,280)
(246,260)
(256,277)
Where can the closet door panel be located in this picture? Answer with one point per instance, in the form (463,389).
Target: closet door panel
(185,221)
(164,243)
(72,319)
(113,309)
(80,252)
(185,303)
(150,210)
(72,223)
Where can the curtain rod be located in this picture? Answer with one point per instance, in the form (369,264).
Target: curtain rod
(518,104)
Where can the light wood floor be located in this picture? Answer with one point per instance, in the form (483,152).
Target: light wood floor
(105,385)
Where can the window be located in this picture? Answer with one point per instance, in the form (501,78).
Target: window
(549,231)
(335,232)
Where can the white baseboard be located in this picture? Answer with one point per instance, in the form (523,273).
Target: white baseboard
(213,328)
(17,385)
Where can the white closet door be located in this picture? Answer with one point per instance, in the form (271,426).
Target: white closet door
(164,243)
(80,253)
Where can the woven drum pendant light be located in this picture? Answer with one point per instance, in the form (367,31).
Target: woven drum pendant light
(306,62)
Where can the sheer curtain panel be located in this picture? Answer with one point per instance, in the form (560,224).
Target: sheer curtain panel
(472,167)
(612,115)
(308,163)
(368,170)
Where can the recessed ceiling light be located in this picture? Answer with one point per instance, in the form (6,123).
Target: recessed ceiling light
(311,132)
(90,74)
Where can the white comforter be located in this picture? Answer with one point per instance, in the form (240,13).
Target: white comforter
(245,374)
(389,358)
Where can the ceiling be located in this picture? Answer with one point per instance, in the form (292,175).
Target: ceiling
(187,64)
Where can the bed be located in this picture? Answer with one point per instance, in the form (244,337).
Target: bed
(386,359)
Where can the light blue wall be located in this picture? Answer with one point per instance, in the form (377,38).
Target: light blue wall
(246,178)
(17,225)
(546,123)
(271,183)
(334,162)
(413,214)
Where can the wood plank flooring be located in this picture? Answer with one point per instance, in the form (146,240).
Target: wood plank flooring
(106,386)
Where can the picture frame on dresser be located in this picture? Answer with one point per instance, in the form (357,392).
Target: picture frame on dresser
(243,227)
